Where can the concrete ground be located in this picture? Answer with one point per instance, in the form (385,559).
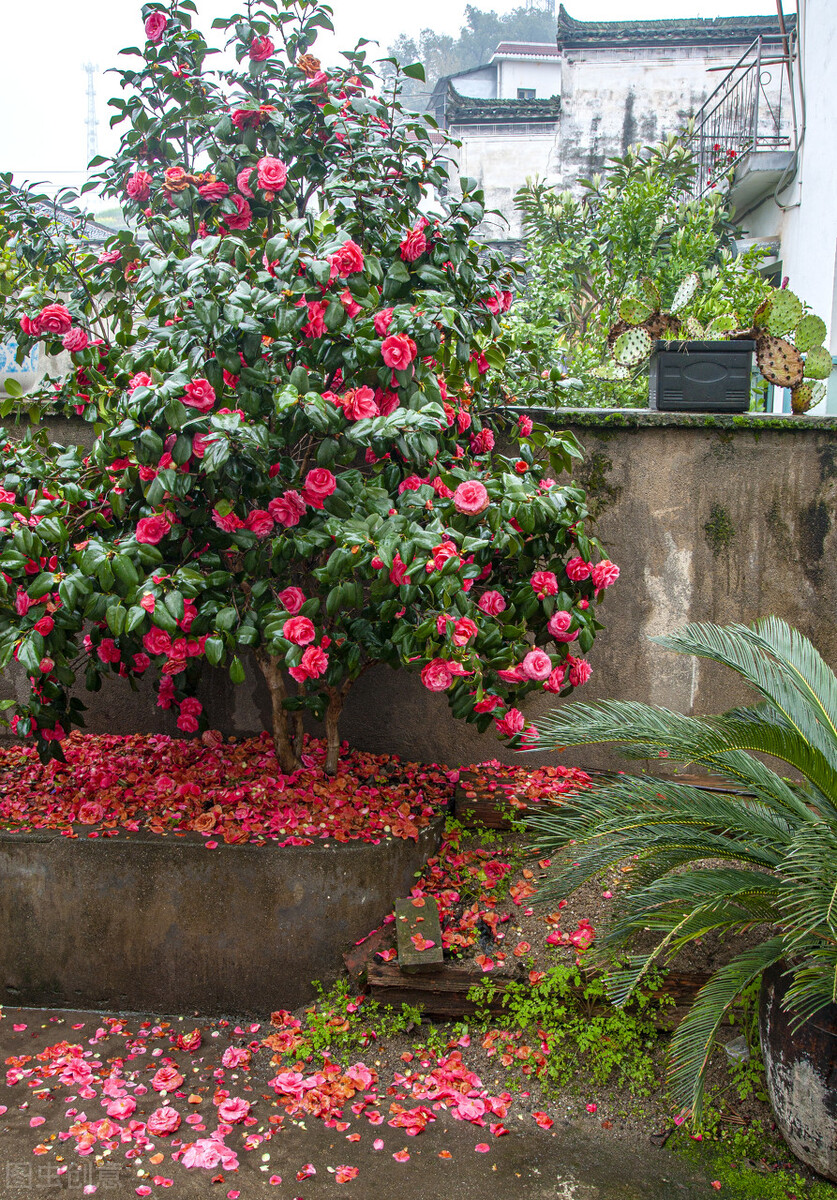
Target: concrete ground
(568,1162)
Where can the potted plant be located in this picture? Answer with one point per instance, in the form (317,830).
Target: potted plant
(697,368)
(776,840)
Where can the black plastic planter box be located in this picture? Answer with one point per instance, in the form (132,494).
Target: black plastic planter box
(701,376)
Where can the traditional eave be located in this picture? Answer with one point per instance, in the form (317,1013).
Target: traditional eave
(471,110)
(527,50)
(677,31)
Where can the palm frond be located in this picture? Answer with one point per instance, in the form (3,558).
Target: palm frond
(694,1038)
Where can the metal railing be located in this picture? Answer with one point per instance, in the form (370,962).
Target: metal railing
(748,110)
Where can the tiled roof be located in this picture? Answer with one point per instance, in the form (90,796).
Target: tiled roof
(528,50)
(474,110)
(677,31)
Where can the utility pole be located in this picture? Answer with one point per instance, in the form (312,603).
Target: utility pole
(91,122)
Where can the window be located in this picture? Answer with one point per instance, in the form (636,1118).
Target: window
(526,93)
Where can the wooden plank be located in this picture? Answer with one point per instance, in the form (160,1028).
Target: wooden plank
(419,933)
(357,959)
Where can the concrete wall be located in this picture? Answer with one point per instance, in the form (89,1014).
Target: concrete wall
(710,519)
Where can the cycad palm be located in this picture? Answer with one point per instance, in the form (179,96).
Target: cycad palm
(776,838)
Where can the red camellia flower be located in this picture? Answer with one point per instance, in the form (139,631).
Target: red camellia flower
(398,351)
(75,340)
(141,379)
(151,530)
(242,218)
(545,583)
(437,675)
(157,641)
(200,394)
(261,48)
(512,723)
(414,244)
(292,598)
(214,191)
(299,630)
(259,521)
(604,574)
(492,603)
(272,174)
(55,318)
(348,259)
(138,186)
(45,626)
(251,118)
(577,570)
(359,403)
(580,671)
(471,498)
(463,630)
(319,484)
(229,522)
(382,321)
(312,665)
(155,26)
(287,509)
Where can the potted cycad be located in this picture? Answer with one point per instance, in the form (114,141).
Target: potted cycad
(707,368)
(772,846)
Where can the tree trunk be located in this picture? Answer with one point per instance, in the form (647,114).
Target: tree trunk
(335,707)
(272,671)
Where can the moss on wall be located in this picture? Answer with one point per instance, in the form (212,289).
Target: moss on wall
(719,530)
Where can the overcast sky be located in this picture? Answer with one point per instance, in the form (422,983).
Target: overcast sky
(43,87)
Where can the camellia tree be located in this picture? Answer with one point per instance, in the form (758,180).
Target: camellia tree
(300,448)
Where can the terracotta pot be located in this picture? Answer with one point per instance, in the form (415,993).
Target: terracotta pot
(801,1068)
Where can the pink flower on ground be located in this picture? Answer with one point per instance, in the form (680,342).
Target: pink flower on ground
(578,570)
(292,598)
(536,665)
(151,530)
(235,1056)
(200,394)
(122,1108)
(272,174)
(471,498)
(90,813)
(287,509)
(299,630)
(75,340)
(155,27)
(604,574)
(312,665)
(512,723)
(398,351)
(233,1110)
(492,603)
(261,48)
(167,1079)
(544,583)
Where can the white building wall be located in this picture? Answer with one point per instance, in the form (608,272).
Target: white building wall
(544,77)
(502,163)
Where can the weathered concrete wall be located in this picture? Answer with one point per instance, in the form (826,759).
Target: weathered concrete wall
(234,929)
(710,519)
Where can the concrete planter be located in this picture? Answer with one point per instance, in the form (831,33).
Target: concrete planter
(801,1068)
(693,376)
(147,922)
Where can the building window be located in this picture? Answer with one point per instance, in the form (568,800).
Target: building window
(526,93)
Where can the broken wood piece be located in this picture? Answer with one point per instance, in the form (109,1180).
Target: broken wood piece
(418,932)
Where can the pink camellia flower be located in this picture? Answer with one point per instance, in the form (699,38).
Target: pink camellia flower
(398,351)
(556,679)
(200,394)
(90,813)
(138,185)
(292,598)
(463,630)
(437,675)
(488,703)
(119,1109)
(512,723)
(272,173)
(45,626)
(108,651)
(75,340)
(141,663)
(492,603)
(141,379)
(350,304)
(299,630)
(187,723)
(471,498)
(398,572)
(167,1079)
(580,671)
(312,665)
(482,442)
(55,318)
(259,521)
(242,218)
(287,509)
(578,570)
(604,574)
(360,403)
(155,26)
(382,321)
(536,665)
(28,326)
(348,259)
(414,244)
(163,1121)
(319,485)
(157,641)
(315,326)
(214,191)
(559,624)
(229,522)
(242,180)
(233,1110)
(151,530)
(524,424)
(443,552)
(235,1056)
(544,583)
(261,48)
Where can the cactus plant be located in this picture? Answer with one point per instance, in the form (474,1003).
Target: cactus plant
(818,363)
(810,333)
(784,312)
(779,362)
(632,347)
(685,292)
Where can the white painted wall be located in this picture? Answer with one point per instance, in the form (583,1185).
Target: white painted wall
(514,73)
(478,84)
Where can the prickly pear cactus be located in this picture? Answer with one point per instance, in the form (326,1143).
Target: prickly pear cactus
(779,362)
(612,371)
(810,332)
(634,311)
(693,329)
(818,363)
(719,325)
(805,395)
(650,293)
(631,347)
(784,314)
(685,292)
(662,324)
